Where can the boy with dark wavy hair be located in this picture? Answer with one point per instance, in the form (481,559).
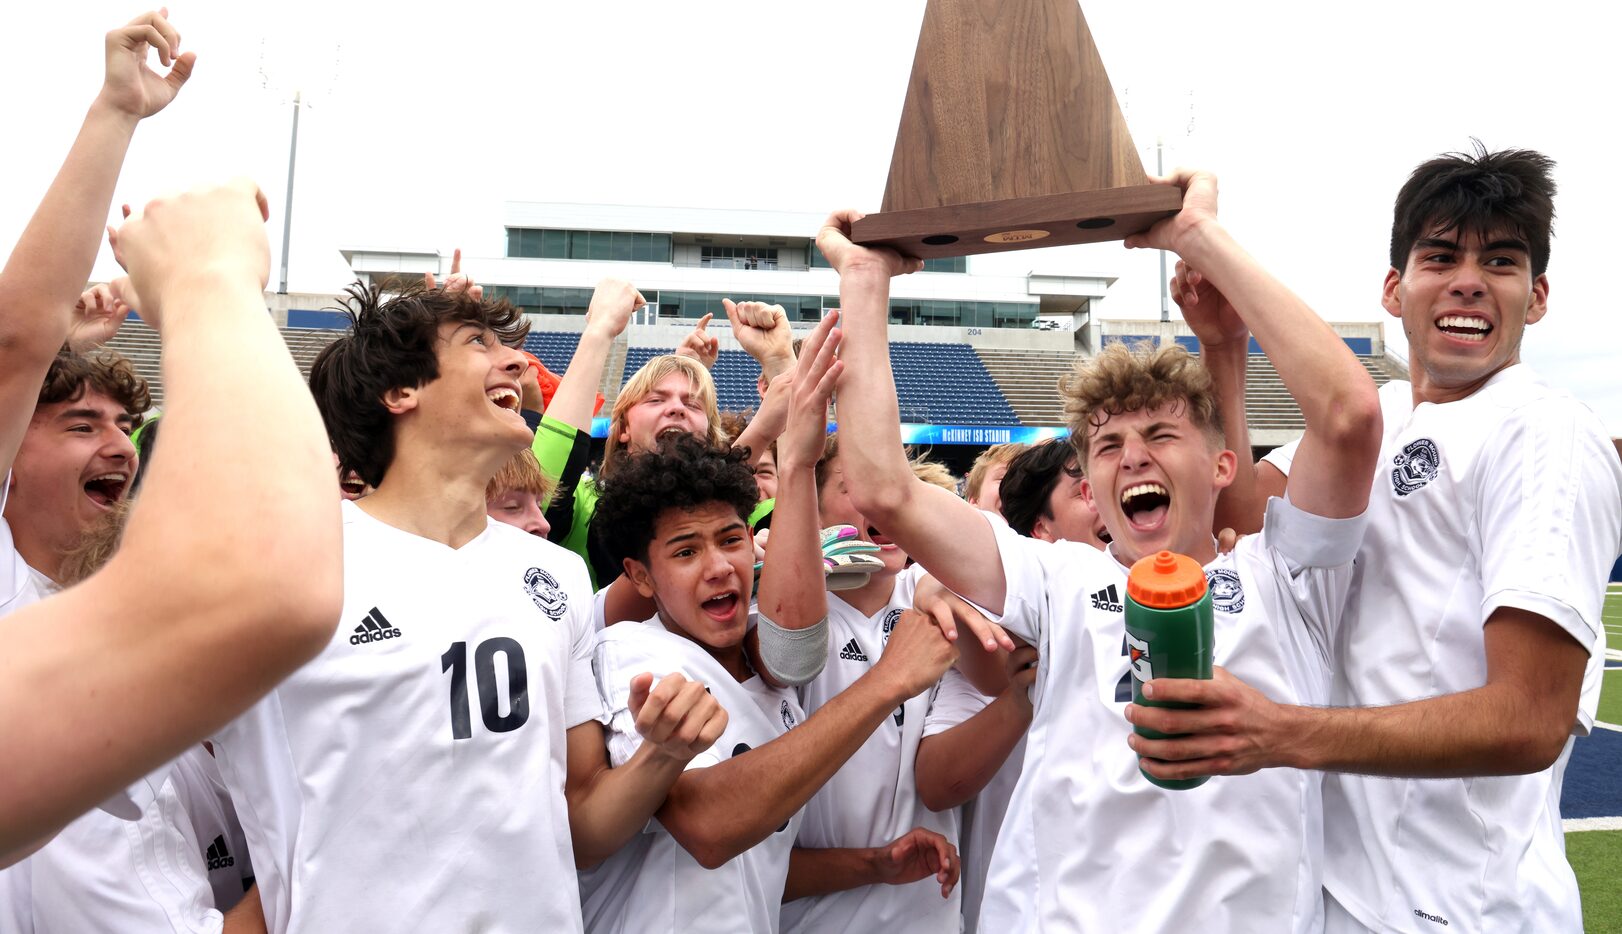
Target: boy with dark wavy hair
(455,711)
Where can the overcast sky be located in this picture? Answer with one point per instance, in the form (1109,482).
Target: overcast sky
(426,117)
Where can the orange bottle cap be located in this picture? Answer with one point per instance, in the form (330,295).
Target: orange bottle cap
(1166,581)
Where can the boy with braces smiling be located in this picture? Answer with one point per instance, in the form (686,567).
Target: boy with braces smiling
(1087,840)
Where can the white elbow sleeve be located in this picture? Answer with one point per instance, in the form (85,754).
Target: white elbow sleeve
(793,656)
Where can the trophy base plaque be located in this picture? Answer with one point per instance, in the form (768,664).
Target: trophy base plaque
(1019,223)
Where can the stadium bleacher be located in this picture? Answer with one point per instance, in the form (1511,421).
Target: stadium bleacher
(554,348)
(937,383)
(1029,380)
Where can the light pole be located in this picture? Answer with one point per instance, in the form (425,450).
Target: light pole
(287,215)
(1160,169)
(298,62)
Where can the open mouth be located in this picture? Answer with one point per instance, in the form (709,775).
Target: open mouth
(1102,534)
(1145,505)
(721,607)
(106,489)
(878,538)
(353,487)
(1467,328)
(503,397)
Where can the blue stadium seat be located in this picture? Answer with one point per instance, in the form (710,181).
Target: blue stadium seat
(553,348)
(940,384)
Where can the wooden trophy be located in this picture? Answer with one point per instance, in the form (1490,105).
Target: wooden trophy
(1010,138)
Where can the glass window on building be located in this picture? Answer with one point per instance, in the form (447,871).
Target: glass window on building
(545,300)
(618,245)
(674,304)
(967,314)
(554,244)
(1014,314)
(738,257)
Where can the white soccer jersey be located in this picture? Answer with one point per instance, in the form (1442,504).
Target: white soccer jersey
(873,798)
(215,828)
(653,884)
(1510,497)
(1088,843)
(411,776)
(103,873)
(20,584)
(957,701)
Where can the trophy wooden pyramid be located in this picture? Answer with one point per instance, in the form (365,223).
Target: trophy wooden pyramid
(1010,138)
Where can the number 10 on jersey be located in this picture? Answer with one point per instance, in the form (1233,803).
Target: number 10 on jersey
(484,675)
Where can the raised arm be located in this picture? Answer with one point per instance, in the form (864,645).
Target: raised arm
(700,345)
(46,273)
(1335,463)
(612,305)
(763,332)
(1225,350)
(941,532)
(715,813)
(793,591)
(94,700)
(769,419)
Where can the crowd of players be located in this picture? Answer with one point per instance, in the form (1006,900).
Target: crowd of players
(747,675)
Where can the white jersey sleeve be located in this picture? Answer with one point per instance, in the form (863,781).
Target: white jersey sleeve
(1282,456)
(1550,508)
(956,702)
(1026,611)
(20,585)
(102,873)
(1310,558)
(581,702)
(617,661)
(216,830)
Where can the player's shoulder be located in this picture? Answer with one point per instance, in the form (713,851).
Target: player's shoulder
(522,547)
(648,646)
(1079,555)
(1520,394)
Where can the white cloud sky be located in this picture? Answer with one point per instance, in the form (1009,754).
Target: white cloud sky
(426,117)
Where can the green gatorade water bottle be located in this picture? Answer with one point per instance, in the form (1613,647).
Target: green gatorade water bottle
(1168,632)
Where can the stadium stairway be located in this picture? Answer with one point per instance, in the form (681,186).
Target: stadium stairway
(1029,380)
(140,343)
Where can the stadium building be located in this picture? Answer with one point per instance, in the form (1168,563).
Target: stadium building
(977,357)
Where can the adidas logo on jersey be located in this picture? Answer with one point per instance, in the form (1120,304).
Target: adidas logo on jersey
(1108,600)
(217,857)
(374,628)
(852,652)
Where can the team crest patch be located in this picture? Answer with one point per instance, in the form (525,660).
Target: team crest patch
(788,715)
(544,590)
(1227,594)
(890,619)
(1416,466)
